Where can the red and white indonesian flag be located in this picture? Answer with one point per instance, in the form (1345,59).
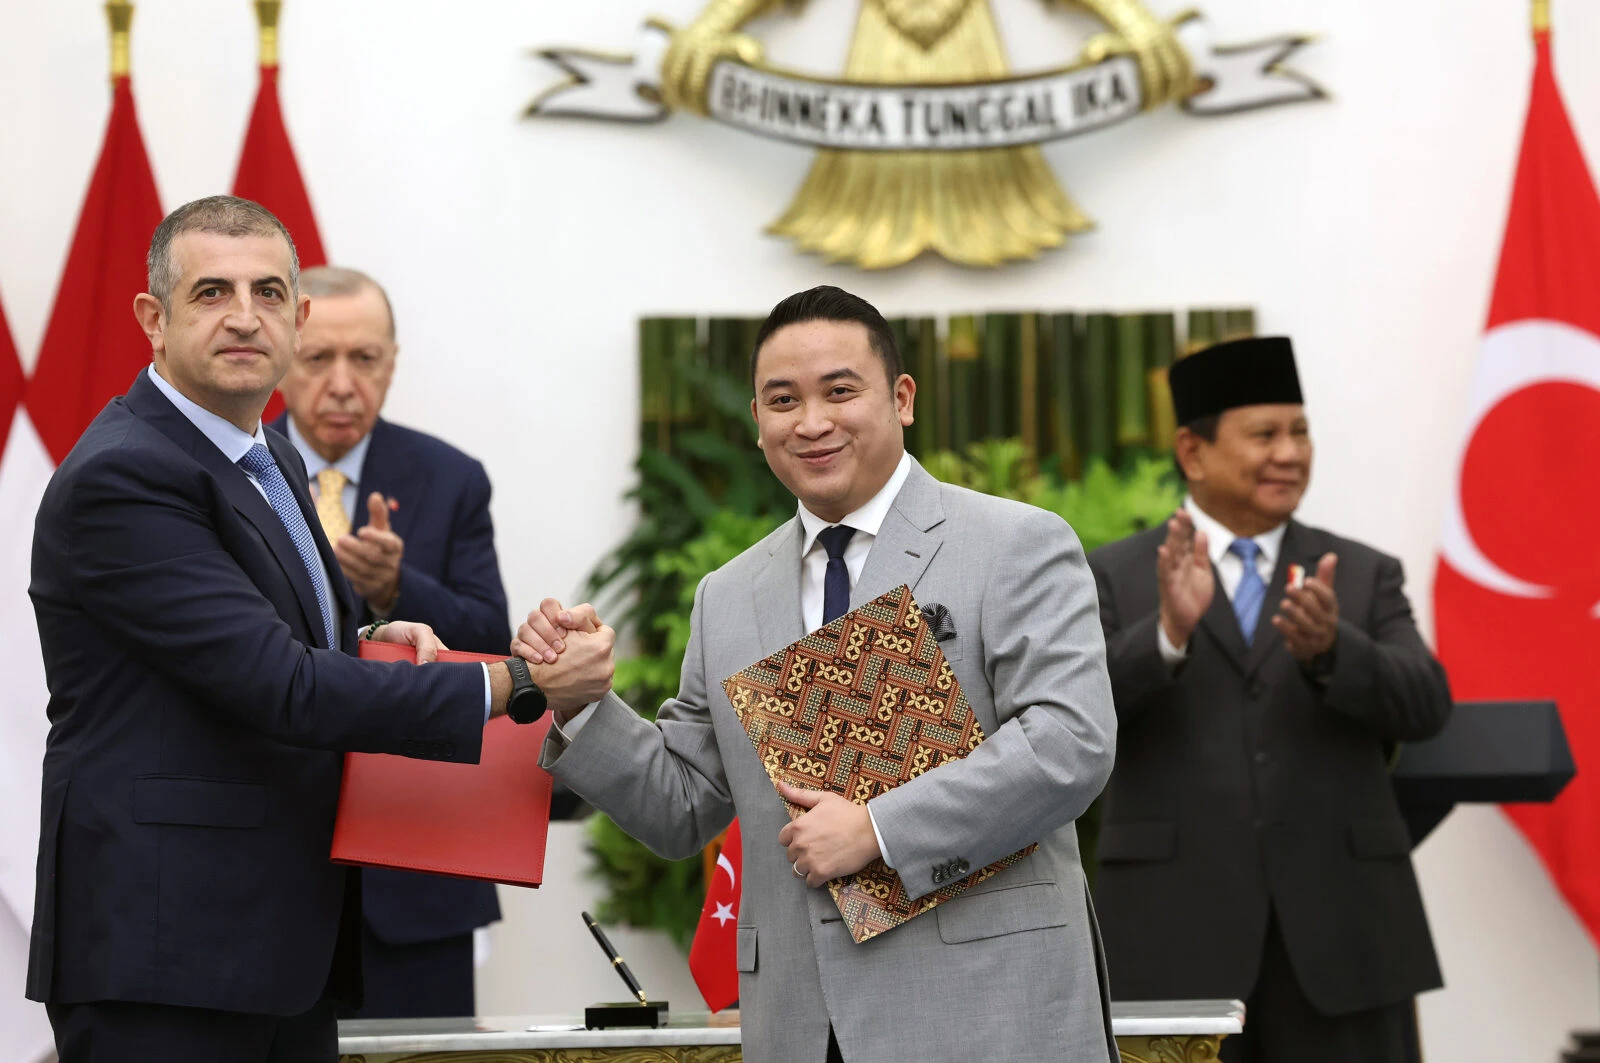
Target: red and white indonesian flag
(91,350)
(1517,597)
(24,469)
(24,1033)
(713,958)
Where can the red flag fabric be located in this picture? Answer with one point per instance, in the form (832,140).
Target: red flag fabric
(91,350)
(712,957)
(1517,594)
(269,174)
(10,380)
(92,345)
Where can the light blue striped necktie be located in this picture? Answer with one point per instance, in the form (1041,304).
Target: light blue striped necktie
(258,462)
(1251,592)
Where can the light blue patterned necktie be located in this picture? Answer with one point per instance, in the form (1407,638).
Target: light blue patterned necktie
(1251,592)
(258,462)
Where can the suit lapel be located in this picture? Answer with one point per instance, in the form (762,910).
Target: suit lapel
(906,542)
(1223,625)
(386,471)
(777,590)
(146,400)
(1267,638)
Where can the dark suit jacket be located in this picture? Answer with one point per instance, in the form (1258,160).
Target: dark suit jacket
(450,580)
(1241,782)
(197,729)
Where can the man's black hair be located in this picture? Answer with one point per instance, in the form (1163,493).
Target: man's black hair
(827,303)
(1206,429)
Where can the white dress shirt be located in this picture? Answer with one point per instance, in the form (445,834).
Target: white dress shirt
(814,556)
(1229,565)
(813,573)
(235,443)
(814,565)
(350,465)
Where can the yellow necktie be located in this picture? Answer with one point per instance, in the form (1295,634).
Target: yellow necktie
(330,504)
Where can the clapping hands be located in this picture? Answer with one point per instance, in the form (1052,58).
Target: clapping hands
(1183,573)
(569,653)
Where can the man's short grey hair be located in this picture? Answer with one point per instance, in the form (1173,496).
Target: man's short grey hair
(223,215)
(333,281)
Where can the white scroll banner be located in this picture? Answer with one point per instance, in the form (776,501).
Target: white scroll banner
(859,116)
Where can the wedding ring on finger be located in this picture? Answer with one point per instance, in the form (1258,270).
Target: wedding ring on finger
(797,872)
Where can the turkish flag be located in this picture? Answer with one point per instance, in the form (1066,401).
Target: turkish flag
(1517,594)
(269,174)
(712,957)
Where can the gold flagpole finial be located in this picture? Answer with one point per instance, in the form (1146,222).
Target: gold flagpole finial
(119,13)
(267,12)
(1541,16)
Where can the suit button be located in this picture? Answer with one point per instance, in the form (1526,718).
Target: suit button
(1263,759)
(962,867)
(1257,688)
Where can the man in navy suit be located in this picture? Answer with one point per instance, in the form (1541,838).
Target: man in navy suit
(408,517)
(192,617)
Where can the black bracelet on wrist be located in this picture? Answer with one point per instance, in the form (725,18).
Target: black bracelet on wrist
(373,629)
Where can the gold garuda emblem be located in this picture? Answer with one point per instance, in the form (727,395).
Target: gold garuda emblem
(929,141)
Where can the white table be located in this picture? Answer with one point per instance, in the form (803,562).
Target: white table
(1181,1031)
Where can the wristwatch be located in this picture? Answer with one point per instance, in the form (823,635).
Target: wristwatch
(527,702)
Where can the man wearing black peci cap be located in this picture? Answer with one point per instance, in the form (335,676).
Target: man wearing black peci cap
(1261,670)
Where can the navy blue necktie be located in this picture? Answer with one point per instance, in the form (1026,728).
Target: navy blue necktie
(1251,592)
(258,462)
(836,584)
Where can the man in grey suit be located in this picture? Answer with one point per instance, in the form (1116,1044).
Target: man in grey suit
(1011,969)
(1262,671)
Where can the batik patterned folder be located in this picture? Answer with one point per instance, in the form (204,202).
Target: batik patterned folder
(859,707)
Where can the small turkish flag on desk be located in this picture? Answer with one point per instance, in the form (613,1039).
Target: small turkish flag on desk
(1517,595)
(486,820)
(713,958)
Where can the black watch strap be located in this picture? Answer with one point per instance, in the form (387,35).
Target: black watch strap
(527,702)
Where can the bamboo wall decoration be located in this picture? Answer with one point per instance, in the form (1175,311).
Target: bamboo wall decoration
(1073,387)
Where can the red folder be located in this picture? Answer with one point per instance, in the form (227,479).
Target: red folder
(486,820)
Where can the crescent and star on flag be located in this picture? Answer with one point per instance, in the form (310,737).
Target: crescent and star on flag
(934,136)
(724,913)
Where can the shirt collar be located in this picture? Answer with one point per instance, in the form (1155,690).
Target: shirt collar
(869,518)
(233,441)
(350,464)
(1219,538)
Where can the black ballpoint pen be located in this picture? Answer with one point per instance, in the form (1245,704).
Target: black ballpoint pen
(611,954)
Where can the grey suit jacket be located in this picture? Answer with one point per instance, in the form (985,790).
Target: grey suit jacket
(1012,969)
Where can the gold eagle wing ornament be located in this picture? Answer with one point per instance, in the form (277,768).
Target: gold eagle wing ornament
(978,207)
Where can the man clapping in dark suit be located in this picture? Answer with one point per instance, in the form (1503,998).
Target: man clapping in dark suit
(197,634)
(1261,669)
(408,517)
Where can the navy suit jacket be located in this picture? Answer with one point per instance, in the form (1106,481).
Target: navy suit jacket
(449,580)
(197,727)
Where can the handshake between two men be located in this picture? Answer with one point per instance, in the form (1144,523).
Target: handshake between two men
(570,656)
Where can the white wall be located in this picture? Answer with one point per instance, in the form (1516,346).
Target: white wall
(520,254)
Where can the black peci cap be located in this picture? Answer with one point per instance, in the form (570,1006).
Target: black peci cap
(1250,372)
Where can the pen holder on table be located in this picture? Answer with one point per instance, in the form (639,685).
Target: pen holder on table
(625,1014)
